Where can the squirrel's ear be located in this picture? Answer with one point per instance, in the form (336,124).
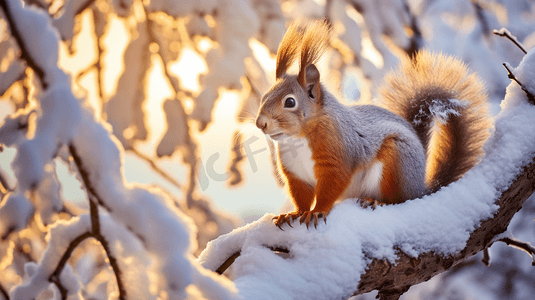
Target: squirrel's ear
(312,82)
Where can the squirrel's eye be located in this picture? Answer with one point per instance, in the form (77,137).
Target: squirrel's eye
(289,102)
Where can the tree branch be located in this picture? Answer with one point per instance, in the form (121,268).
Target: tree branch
(95,223)
(156,168)
(486,257)
(410,271)
(392,280)
(55,276)
(504,32)
(4,292)
(512,76)
(114,265)
(525,246)
(416,38)
(481,16)
(4,186)
(25,55)
(85,177)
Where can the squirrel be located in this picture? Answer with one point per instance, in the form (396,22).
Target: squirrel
(426,132)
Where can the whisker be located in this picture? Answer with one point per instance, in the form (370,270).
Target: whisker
(245,131)
(244,110)
(254,88)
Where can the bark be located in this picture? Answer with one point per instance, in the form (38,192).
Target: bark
(394,279)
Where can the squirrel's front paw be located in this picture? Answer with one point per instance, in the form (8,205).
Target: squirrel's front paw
(308,216)
(286,218)
(368,202)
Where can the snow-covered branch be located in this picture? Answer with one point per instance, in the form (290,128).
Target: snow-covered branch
(135,219)
(127,240)
(391,248)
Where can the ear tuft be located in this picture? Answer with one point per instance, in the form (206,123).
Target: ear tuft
(314,42)
(288,49)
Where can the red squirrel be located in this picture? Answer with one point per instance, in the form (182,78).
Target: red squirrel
(426,132)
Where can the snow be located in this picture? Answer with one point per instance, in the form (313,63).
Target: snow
(15,69)
(142,224)
(44,39)
(184,8)
(147,232)
(15,211)
(9,135)
(65,22)
(59,238)
(177,128)
(226,63)
(131,96)
(146,212)
(327,262)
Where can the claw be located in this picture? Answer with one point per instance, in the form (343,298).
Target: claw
(285,218)
(308,216)
(370,203)
(288,222)
(279,220)
(307,220)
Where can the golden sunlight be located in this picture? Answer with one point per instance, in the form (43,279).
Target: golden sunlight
(188,68)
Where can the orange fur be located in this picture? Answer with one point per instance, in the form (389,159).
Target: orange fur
(453,147)
(314,42)
(437,95)
(301,192)
(391,177)
(288,49)
(332,171)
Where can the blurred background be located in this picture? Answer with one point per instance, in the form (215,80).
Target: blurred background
(180,83)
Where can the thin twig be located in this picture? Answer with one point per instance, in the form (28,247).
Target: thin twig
(227,263)
(25,55)
(38,4)
(416,38)
(4,292)
(23,253)
(525,246)
(328,9)
(95,220)
(83,7)
(155,167)
(504,32)
(85,177)
(98,64)
(481,16)
(86,70)
(114,265)
(55,276)
(486,257)
(237,158)
(4,185)
(512,76)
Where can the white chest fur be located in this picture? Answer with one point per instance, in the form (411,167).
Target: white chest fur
(296,156)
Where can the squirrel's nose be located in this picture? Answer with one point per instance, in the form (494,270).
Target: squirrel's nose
(261,122)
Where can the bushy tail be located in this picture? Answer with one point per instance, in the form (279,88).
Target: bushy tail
(447,106)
